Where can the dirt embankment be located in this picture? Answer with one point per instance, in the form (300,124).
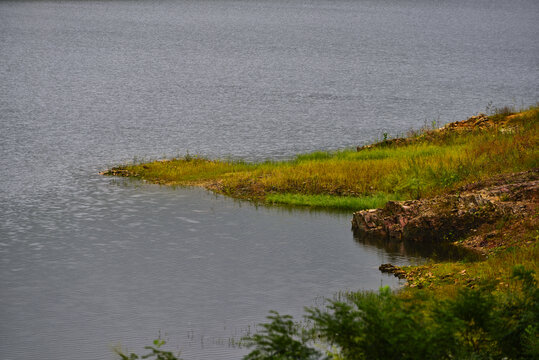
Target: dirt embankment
(454,216)
(486,216)
(473,214)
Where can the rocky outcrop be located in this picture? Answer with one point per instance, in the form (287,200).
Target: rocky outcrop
(116,171)
(452,216)
(392,269)
(477,122)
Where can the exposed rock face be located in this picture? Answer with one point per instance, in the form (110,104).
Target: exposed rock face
(452,216)
(392,269)
(479,121)
(117,171)
(476,122)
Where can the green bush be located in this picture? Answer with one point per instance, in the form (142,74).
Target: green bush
(378,326)
(476,324)
(281,339)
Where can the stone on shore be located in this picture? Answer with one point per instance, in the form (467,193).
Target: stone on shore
(450,217)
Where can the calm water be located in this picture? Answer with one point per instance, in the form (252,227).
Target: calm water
(88,261)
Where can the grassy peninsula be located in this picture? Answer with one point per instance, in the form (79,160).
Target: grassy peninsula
(487,309)
(426,163)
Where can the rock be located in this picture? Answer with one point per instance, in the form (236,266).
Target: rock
(392,269)
(447,218)
(477,122)
(387,268)
(116,172)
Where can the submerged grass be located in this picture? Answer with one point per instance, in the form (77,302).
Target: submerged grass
(429,163)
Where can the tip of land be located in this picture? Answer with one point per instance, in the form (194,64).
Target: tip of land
(426,163)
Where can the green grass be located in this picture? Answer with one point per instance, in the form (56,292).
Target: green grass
(430,163)
(333,202)
(446,278)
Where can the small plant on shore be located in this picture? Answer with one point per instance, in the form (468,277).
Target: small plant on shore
(502,110)
(281,339)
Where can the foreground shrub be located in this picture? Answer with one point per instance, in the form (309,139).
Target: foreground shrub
(480,323)
(281,339)
(476,324)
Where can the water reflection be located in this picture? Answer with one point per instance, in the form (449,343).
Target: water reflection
(431,250)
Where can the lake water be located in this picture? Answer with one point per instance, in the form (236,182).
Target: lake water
(87,261)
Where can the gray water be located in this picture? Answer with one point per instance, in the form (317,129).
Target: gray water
(87,261)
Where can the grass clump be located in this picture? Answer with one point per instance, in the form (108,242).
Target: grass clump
(426,164)
(444,277)
(186,171)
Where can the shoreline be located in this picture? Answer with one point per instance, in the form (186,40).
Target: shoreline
(426,163)
(463,157)
(472,183)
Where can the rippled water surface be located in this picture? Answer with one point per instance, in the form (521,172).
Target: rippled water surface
(88,261)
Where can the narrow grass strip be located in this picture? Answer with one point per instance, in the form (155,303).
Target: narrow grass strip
(335,202)
(429,164)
